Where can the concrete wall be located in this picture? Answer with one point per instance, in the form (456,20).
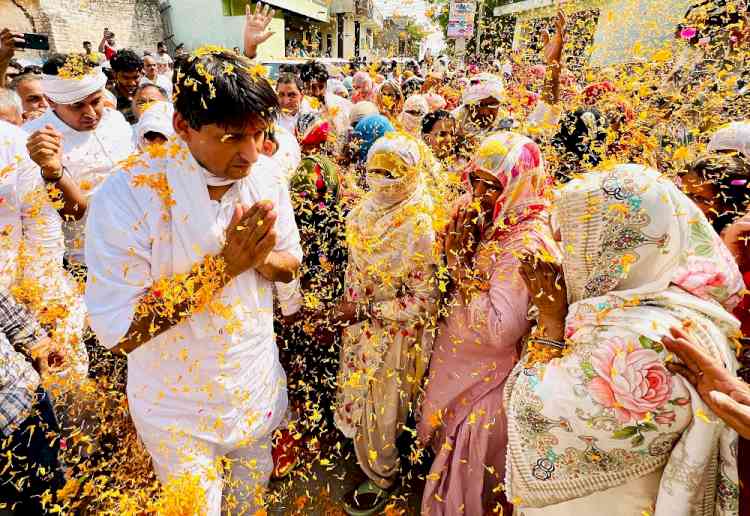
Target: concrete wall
(198,22)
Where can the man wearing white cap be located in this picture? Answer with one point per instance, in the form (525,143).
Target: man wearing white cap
(77,142)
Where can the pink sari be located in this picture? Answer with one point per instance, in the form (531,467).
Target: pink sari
(477,345)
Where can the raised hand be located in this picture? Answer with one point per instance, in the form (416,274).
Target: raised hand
(8,42)
(553,45)
(256,25)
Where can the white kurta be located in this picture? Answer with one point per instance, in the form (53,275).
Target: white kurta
(89,157)
(289,122)
(218,385)
(31,241)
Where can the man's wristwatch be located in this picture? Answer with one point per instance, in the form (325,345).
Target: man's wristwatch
(56,177)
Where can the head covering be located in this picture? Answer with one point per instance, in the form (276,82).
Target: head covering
(732,137)
(369,129)
(639,258)
(362,79)
(581,137)
(361,110)
(335,86)
(412,86)
(316,181)
(517,163)
(380,98)
(435,101)
(71,90)
(348,84)
(392,224)
(157,118)
(312,128)
(413,123)
(483,86)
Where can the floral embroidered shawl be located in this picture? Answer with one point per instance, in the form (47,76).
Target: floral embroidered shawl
(639,257)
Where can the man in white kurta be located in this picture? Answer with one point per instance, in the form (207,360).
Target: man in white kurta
(88,157)
(31,248)
(208,386)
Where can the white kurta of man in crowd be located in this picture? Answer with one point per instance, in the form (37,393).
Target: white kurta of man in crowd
(201,389)
(88,156)
(31,248)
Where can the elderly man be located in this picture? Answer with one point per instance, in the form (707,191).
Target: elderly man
(289,89)
(183,248)
(145,95)
(77,142)
(29,88)
(151,75)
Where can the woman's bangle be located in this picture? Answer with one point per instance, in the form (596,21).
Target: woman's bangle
(557,344)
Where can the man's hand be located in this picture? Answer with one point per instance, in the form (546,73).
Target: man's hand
(250,237)
(255,31)
(8,41)
(725,394)
(45,149)
(46,357)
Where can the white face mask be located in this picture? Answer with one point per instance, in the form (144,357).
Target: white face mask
(411,123)
(389,190)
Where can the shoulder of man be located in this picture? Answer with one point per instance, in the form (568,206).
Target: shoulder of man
(12,145)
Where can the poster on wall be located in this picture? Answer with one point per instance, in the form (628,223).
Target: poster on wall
(461,19)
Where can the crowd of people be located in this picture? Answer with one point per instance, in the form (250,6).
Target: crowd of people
(522,282)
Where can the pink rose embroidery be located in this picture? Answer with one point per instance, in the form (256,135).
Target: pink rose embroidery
(699,276)
(631,380)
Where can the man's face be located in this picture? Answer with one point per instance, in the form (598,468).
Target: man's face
(32,96)
(150,68)
(362,87)
(160,48)
(127,82)
(316,89)
(442,137)
(290,98)
(485,112)
(225,152)
(84,115)
(144,97)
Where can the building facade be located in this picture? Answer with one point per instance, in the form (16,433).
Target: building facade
(356,25)
(68,23)
(299,26)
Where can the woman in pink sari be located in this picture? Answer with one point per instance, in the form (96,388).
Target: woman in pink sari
(477,345)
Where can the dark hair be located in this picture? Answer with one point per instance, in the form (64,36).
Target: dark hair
(152,85)
(225,99)
(729,173)
(313,71)
(126,60)
(86,43)
(431,119)
(32,70)
(161,44)
(290,78)
(411,86)
(56,61)
(581,141)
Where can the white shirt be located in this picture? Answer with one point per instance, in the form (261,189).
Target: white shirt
(161,80)
(198,367)
(89,157)
(31,241)
(289,122)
